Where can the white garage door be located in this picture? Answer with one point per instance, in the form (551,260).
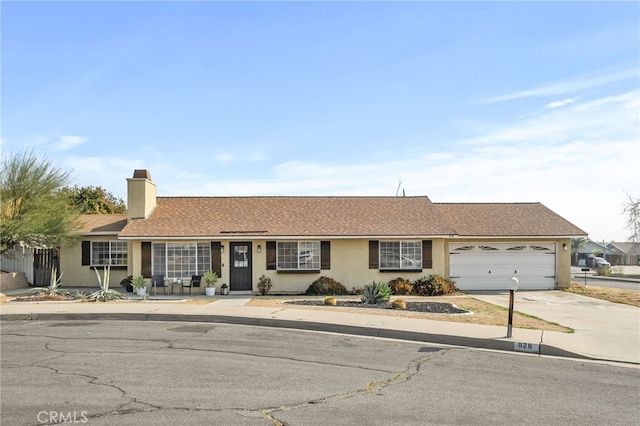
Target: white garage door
(490,266)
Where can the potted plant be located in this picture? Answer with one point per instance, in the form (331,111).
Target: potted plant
(210,279)
(139,285)
(126,283)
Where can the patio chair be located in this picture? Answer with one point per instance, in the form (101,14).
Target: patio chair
(158,281)
(195,282)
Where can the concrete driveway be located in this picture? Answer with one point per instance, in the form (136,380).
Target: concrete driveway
(606,328)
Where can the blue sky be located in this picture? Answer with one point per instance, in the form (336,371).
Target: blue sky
(459,101)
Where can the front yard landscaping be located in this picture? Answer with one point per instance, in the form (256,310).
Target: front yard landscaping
(482,313)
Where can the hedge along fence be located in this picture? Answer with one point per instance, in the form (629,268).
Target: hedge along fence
(13,281)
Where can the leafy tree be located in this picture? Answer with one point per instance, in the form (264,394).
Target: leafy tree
(576,245)
(32,210)
(94,200)
(632,210)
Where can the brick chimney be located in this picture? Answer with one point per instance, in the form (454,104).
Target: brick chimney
(141,195)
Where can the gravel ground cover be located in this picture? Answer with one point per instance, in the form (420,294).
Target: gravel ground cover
(428,307)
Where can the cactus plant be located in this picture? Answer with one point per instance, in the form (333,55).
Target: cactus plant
(375,293)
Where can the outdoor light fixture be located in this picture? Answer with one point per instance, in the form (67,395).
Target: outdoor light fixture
(564,247)
(221,249)
(259,248)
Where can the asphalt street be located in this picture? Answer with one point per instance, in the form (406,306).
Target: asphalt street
(176,373)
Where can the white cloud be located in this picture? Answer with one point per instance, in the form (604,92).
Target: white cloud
(558,104)
(571,85)
(250,155)
(66,142)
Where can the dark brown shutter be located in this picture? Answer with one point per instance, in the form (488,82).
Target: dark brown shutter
(325,254)
(216,258)
(373,255)
(145,252)
(427,254)
(86,253)
(271,255)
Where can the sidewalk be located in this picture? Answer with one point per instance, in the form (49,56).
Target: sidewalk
(604,330)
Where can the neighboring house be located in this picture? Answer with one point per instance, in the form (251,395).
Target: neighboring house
(588,250)
(624,253)
(295,240)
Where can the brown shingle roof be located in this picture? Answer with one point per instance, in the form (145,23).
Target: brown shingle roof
(628,247)
(102,223)
(505,219)
(289,216)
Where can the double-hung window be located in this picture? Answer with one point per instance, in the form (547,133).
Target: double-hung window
(400,255)
(181,260)
(298,255)
(112,253)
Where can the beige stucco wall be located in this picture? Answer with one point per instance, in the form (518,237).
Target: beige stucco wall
(77,275)
(349,266)
(563,263)
(141,197)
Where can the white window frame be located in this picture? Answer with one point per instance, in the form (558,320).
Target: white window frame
(116,253)
(197,255)
(409,255)
(302,256)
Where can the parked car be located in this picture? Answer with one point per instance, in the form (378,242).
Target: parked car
(597,262)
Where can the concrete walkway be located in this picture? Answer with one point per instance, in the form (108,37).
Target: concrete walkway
(604,330)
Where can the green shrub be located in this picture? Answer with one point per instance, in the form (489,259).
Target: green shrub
(264,285)
(325,286)
(126,281)
(434,285)
(401,286)
(375,293)
(604,271)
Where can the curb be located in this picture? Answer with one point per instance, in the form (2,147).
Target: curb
(413,336)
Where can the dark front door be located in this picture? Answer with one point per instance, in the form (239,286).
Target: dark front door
(240,278)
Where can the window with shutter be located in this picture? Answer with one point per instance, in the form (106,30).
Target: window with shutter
(216,258)
(325,254)
(271,255)
(427,254)
(373,254)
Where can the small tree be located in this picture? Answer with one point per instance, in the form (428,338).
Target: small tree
(576,245)
(31,209)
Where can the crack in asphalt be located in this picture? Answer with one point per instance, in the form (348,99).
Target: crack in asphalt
(413,367)
(174,344)
(270,413)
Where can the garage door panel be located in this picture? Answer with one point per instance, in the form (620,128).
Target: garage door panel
(490,266)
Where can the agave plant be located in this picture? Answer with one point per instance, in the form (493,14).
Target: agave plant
(54,285)
(375,293)
(105,293)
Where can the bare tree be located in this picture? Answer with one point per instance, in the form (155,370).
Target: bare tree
(632,210)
